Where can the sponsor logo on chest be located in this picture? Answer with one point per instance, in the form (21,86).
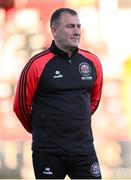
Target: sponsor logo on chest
(57,75)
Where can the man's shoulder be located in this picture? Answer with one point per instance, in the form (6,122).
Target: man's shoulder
(88,54)
(84,50)
(39,59)
(40,53)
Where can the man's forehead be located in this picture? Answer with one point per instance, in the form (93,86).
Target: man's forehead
(67,14)
(70,18)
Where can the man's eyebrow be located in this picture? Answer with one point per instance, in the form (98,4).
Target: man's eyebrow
(74,24)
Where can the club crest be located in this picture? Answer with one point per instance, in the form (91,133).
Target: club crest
(85,69)
(95,170)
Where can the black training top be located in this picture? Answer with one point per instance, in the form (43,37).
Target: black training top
(55,98)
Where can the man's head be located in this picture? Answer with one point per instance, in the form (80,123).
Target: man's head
(56,15)
(65,28)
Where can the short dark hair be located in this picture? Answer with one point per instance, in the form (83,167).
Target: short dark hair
(56,14)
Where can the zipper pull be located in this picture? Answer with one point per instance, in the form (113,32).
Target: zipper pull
(70,61)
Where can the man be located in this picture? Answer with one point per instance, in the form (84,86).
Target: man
(58,91)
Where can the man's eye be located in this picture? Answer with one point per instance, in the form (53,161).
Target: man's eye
(70,26)
(73,26)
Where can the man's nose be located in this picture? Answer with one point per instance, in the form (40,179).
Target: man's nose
(76,30)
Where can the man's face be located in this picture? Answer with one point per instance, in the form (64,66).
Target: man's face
(67,32)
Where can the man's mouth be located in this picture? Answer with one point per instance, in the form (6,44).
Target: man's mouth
(75,39)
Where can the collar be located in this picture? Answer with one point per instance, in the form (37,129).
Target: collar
(56,50)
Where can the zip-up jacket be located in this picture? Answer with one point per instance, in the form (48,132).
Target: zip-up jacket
(55,98)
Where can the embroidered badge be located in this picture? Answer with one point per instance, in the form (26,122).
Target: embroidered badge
(95,170)
(85,69)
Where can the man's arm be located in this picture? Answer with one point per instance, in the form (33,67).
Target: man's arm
(26,88)
(97,89)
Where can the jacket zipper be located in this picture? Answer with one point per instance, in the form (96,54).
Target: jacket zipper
(69,61)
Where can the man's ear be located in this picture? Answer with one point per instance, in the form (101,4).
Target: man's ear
(53,30)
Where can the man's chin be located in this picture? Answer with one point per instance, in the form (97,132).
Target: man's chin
(74,45)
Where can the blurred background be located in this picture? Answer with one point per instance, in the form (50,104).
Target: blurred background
(106,31)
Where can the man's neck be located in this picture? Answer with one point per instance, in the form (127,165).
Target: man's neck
(69,50)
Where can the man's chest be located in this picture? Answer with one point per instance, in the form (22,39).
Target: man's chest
(66,75)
